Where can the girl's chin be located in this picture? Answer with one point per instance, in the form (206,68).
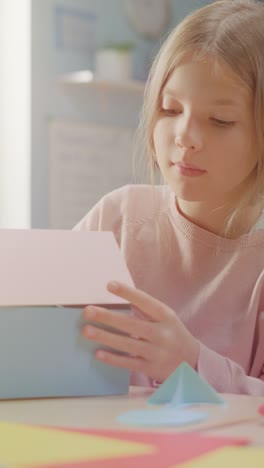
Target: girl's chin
(188,195)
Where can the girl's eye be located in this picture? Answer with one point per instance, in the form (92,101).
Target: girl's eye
(224,123)
(170,112)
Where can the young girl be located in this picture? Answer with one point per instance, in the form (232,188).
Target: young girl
(195,246)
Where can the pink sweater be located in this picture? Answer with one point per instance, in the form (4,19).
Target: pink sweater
(214,284)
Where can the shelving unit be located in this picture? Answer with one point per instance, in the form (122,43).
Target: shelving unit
(86,78)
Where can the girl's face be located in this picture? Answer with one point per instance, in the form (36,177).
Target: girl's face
(204,138)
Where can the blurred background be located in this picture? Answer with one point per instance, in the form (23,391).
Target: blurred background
(72,75)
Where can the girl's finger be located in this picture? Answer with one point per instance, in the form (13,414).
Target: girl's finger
(151,307)
(119,342)
(125,323)
(126,362)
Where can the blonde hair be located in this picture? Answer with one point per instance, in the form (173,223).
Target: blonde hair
(230,32)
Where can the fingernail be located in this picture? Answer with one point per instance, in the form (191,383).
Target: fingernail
(100,355)
(89,331)
(90,312)
(113,286)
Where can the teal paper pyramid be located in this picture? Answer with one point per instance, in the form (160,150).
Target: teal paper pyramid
(185,387)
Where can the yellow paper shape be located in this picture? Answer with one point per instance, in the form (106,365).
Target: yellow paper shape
(235,457)
(25,445)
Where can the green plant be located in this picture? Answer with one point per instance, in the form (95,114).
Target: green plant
(122,46)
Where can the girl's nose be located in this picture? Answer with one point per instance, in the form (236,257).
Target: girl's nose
(189,137)
(183,144)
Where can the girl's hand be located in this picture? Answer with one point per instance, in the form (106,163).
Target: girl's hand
(155,345)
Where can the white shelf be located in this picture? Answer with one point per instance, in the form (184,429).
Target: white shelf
(86,78)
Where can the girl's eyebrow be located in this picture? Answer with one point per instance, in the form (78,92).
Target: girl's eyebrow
(227,102)
(219,101)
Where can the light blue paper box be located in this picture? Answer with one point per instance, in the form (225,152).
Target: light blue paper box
(42,354)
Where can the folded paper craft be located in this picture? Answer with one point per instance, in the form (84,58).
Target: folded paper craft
(42,351)
(185,387)
(181,389)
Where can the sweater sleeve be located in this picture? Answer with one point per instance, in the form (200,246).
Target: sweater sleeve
(106,215)
(227,376)
(92,220)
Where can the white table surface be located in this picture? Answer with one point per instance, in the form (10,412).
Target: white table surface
(240,418)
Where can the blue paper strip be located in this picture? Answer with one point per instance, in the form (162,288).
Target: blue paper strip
(161,417)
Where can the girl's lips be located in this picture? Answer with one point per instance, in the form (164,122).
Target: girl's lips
(189,166)
(189,170)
